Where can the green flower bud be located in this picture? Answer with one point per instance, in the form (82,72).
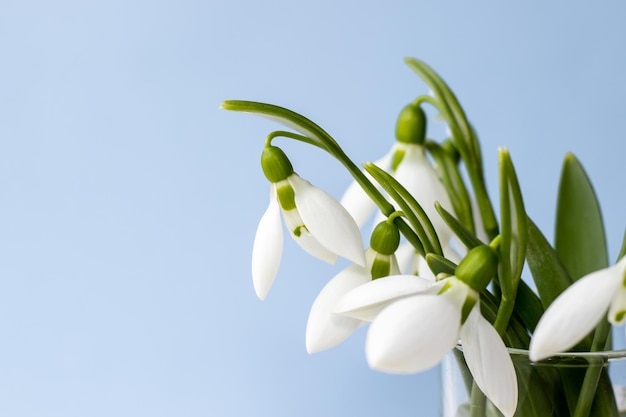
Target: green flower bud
(411,125)
(478,267)
(385,238)
(275,164)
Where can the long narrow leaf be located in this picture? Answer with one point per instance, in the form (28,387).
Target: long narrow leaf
(438,264)
(453,181)
(579,237)
(622,251)
(528,306)
(466,237)
(513,239)
(549,274)
(514,229)
(464,140)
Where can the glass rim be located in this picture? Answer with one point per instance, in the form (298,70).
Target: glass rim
(603,354)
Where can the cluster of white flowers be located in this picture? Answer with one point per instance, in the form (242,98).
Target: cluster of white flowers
(415,320)
(426,296)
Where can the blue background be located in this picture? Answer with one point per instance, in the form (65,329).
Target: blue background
(129,202)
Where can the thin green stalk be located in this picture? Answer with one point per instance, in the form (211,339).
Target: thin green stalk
(454,183)
(464,139)
(587,393)
(513,239)
(411,208)
(314,135)
(589,389)
(478,402)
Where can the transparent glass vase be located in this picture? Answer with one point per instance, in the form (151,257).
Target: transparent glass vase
(568,385)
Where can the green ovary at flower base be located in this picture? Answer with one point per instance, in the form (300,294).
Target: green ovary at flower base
(316,221)
(579,309)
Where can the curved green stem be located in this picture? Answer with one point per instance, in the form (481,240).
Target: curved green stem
(464,138)
(411,208)
(314,135)
(290,135)
(453,182)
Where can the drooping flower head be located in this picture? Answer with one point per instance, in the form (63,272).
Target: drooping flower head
(408,163)
(315,220)
(577,311)
(415,323)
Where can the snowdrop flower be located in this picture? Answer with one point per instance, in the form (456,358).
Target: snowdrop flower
(317,222)
(326,329)
(408,163)
(574,313)
(415,323)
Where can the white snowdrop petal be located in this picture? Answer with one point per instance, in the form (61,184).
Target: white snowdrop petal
(617,312)
(574,313)
(384,163)
(328,221)
(413,334)
(420,178)
(267,250)
(394,269)
(405,256)
(366,301)
(489,362)
(358,203)
(308,242)
(326,329)
(423,269)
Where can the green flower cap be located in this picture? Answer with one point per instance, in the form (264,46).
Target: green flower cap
(411,125)
(275,164)
(385,238)
(478,267)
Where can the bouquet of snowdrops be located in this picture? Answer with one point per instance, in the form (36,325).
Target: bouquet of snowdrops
(442,271)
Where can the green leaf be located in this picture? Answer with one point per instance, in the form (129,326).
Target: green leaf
(468,238)
(622,251)
(464,138)
(453,181)
(513,219)
(438,264)
(549,274)
(513,238)
(528,306)
(579,237)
